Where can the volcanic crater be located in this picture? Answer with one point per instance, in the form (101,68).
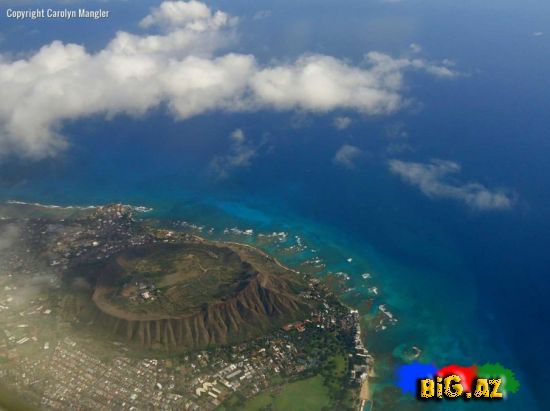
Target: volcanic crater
(193,295)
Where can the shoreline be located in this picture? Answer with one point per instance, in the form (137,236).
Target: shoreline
(361,394)
(365,393)
(138,208)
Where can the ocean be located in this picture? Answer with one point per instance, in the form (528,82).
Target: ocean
(462,284)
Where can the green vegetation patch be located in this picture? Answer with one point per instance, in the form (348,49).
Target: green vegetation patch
(305,395)
(322,392)
(172,279)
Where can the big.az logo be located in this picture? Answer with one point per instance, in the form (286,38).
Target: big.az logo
(487,381)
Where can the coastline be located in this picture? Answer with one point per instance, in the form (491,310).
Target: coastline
(365,394)
(138,208)
(362,393)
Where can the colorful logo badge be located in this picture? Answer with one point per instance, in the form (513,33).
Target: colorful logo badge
(487,381)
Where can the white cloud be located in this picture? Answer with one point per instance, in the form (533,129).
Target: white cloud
(321,83)
(240,155)
(238,136)
(342,122)
(347,155)
(192,15)
(181,66)
(432,178)
(538,33)
(415,48)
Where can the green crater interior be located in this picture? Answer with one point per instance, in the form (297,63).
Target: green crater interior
(172,280)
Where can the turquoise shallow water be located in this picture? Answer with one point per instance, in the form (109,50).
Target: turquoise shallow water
(435,283)
(466,287)
(444,325)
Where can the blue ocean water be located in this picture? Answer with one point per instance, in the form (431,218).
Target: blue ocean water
(466,286)
(463,285)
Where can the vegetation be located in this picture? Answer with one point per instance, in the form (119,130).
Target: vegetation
(325,386)
(189,294)
(309,394)
(177,278)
